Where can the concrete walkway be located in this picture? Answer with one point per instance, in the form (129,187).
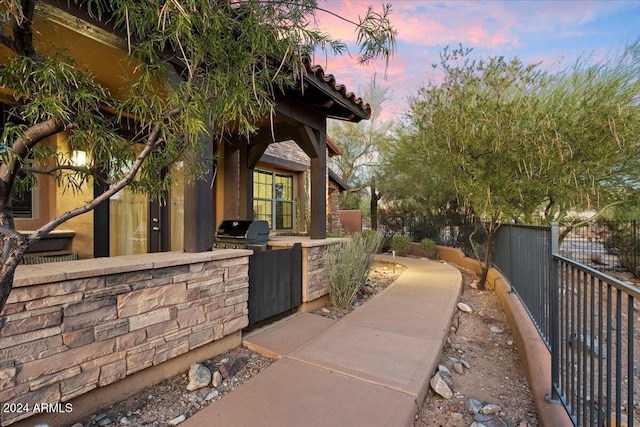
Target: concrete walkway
(371,368)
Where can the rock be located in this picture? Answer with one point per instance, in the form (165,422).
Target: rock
(490,409)
(325,310)
(444,370)
(199,376)
(230,369)
(489,420)
(496,330)
(465,363)
(177,420)
(475,284)
(124,421)
(440,386)
(368,290)
(105,422)
(457,366)
(216,379)
(223,361)
(592,345)
(464,307)
(212,395)
(474,405)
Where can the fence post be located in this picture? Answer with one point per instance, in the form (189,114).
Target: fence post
(636,251)
(554,335)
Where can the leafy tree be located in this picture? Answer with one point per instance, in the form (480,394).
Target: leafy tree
(514,143)
(202,69)
(360,144)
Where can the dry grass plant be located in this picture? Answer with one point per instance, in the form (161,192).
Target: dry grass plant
(348,265)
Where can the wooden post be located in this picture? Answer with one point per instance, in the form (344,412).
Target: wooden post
(199,209)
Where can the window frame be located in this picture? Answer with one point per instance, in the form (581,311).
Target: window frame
(275,221)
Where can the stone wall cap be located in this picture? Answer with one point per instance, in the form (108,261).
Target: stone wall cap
(28,275)
(305,242)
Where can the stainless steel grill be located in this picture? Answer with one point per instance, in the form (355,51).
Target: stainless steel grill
(242,234)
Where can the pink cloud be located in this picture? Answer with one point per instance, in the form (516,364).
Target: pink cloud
(511,28)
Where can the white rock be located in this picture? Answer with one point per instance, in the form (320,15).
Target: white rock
(177,420)
(440,386)
(216,379)
(490,409)
(496,330)
(199,376)
(464,307)
(222,362)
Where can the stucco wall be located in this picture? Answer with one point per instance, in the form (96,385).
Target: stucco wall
(76,326)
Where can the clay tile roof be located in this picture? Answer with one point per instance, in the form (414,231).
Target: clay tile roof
(339,89)
(334,149)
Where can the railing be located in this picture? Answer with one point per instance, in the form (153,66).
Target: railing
(593,341)
(587,319)
(523,256)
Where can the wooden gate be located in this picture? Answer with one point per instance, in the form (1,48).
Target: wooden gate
(275,282)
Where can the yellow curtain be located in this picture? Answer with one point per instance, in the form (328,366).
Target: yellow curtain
(176,213)
(128,222)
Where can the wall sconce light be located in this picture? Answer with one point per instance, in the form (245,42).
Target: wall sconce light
(79,157)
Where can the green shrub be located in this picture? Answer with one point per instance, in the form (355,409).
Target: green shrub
(347,266)
(624,242)
(401,245)
(428,247)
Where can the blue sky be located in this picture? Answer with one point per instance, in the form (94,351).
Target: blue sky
(550,32)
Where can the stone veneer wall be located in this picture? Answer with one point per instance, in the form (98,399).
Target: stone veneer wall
(75,326)
(333,222)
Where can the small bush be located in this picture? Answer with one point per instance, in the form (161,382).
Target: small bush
(347,266)
(429,248)
(401,244)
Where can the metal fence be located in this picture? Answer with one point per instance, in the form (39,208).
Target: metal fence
(604,245)
(593,342)
(453,230)
(523,256)
(587,319)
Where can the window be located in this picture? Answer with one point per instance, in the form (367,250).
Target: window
(23,202)
(273,199)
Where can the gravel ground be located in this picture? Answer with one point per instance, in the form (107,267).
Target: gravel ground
(495,374)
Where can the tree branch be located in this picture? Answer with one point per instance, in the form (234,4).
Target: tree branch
(8,42)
